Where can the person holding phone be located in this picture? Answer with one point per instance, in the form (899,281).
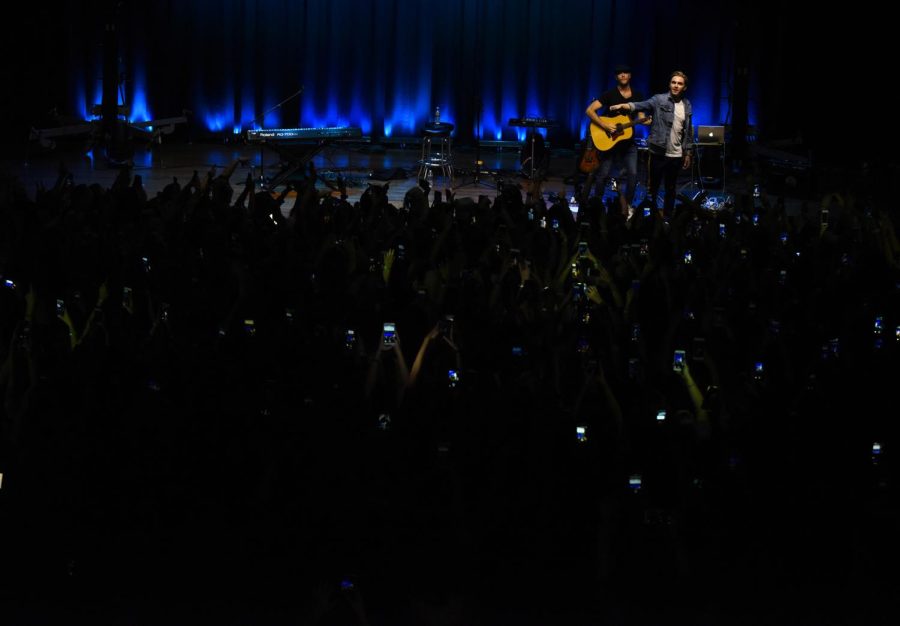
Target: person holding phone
(442,333)
(389,346)
(681,367)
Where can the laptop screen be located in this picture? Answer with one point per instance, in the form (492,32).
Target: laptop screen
(711,134)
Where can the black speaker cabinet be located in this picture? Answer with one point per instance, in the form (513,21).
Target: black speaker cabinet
(711,165)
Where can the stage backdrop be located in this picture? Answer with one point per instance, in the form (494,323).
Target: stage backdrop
(385,65)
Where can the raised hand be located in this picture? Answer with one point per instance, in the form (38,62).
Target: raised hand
(524,272)
(102,294)
(593,294)
(603,276)
(388,264)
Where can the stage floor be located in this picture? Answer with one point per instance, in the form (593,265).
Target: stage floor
(358,164)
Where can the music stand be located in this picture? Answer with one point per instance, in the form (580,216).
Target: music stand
(478,101)
(533,123)
(476,171)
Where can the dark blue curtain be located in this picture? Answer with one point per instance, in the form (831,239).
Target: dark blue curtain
(385,65)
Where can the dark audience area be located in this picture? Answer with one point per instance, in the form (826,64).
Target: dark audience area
(224,406)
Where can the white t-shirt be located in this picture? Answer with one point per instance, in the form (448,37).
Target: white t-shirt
(673,147)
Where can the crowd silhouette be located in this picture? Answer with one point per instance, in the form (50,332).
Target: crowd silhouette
(459,411)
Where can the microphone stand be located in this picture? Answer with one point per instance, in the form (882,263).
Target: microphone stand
(277,106)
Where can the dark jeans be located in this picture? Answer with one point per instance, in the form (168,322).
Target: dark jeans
(626,160)
(664,169)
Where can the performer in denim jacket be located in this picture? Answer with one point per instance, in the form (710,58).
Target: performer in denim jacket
(671,136)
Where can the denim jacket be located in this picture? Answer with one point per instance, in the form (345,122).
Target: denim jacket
(662,108)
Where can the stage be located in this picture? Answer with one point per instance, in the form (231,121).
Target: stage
(360,164)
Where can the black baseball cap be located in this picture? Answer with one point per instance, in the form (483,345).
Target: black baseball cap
(621,67)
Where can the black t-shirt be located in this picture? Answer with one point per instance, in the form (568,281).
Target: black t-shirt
(611,97)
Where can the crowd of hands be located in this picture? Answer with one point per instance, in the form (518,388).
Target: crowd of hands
(605,337)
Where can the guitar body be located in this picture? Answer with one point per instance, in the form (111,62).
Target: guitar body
(590,159)
(605,141)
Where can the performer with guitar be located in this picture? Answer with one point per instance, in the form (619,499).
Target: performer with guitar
(671,135)
(612,138)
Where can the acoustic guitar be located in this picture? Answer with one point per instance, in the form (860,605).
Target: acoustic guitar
(605,140)
(590,159)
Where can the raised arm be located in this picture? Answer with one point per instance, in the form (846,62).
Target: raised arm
(591,112)
(645,106)
(420,356)
(696,399)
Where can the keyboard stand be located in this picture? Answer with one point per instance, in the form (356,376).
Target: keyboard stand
(295,162)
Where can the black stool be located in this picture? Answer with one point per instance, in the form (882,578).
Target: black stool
(437,150)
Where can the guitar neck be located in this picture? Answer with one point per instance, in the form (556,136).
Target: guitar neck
(631,123)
